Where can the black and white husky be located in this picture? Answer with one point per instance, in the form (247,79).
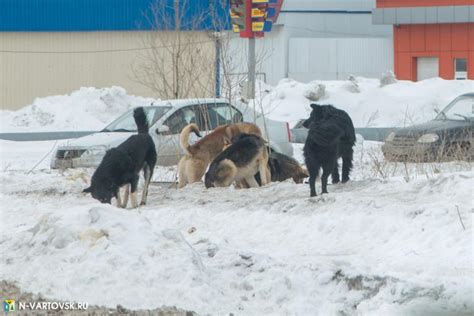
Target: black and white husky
(121,166)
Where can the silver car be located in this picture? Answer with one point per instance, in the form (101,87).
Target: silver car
(166,120)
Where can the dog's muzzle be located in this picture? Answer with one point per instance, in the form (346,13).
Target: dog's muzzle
(208,183)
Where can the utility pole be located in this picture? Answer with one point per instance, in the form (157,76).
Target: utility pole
(251,79)
(218,43)
(252,65)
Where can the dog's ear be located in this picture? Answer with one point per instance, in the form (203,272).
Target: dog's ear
(315,106)
(227,143)
(228,135)
(87,190)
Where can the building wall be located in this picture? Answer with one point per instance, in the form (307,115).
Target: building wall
(445,41)
(50,63)
(338,58)
(420,3)
(303,22)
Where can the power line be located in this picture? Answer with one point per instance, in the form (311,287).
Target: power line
(102,51)
(165,46)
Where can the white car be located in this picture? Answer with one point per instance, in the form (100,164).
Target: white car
(166,120)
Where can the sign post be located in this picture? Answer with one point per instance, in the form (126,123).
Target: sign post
(252,19)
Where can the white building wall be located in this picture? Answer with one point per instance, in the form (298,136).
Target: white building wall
(300,20)
(338,58)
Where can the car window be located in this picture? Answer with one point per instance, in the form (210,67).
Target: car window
(460,109)
(179,119)
(126,122)
(219,114)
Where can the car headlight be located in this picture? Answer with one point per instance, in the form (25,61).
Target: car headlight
(390,137)
(96,151)
(428,138)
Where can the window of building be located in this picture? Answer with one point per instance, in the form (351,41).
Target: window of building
(460,68)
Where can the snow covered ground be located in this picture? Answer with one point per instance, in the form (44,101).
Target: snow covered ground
(390,242)
(370,105)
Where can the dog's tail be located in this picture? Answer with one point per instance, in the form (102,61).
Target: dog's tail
(184,137)
(141,121)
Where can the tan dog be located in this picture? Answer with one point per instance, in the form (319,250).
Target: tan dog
(236,129)
(193,165)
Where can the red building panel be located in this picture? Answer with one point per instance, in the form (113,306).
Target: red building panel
(445,37)
(445,41)
(446,65)
(460,38)
(417,38)
(470,64)
(471,37)
(433,38)
(402,44)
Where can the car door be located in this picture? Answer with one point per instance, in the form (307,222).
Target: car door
(206,116)
(167,143)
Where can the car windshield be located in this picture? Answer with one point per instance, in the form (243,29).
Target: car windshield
(126,123)
(460,109)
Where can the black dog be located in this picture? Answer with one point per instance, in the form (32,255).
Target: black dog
(331,136)
(121,166)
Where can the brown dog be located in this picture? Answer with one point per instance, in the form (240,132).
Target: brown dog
(192,166)
(281,167)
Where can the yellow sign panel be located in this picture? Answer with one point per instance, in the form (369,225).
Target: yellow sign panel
(259,1)
(257,13)
(257,26)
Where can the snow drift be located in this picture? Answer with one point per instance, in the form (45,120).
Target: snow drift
(86,109)
(369,103)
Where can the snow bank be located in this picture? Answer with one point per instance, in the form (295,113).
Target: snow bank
(393,105)
(369,104)
(86,109)
(372,246)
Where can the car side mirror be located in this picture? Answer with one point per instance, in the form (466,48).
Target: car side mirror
(162,130)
